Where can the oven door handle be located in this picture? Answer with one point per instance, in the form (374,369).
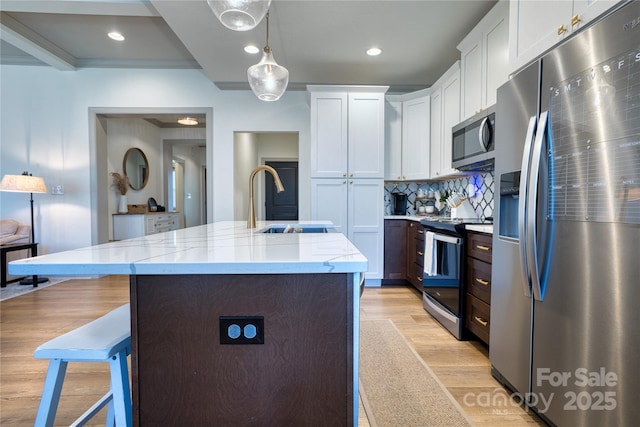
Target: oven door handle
(447,239)
(450,317)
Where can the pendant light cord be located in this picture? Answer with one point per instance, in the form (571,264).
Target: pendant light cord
(267,48)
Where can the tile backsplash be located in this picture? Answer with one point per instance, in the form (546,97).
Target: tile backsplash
(482,201)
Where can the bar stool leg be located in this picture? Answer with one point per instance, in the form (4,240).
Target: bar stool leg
(121,389)
(111,417)
(51,393)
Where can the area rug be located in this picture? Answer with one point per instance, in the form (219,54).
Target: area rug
(397,387)
(15,289)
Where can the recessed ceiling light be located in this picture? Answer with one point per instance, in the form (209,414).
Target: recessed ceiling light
(374,51)
(114,35)
(189,121)
(251,49)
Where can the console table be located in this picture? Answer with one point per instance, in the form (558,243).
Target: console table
(4,249)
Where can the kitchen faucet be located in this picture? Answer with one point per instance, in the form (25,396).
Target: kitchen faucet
(251,220)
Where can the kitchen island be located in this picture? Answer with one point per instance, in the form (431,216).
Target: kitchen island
(233,326)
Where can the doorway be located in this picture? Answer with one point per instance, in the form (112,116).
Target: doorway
(282,206)
(258,148)
(167,141)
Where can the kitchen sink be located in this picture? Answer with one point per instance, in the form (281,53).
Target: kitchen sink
(297,228)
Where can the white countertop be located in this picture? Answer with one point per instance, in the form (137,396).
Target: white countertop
(408,217)
(221,248)
(482,228)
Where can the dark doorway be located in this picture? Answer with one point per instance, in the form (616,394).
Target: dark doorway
(282,206)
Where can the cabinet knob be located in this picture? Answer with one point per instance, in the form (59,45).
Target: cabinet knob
(575,20)
(344,174)
(404,177)
(344,181)
(351,182)
(351,175)
(562,29)
(399,178)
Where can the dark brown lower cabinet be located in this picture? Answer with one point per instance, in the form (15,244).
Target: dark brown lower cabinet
(395,250)
(478,281)
(415,254)
(301,375)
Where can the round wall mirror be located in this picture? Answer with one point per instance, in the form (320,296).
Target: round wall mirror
(136,168)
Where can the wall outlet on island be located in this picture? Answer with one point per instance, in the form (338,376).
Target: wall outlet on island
(57,190)
(241,330)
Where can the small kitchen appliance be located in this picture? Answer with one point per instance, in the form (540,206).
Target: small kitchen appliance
(399,203)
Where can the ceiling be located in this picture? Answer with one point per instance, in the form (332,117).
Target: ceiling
(318,41)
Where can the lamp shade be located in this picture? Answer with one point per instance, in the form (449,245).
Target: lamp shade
(239,15)
(267,79)
(23,184)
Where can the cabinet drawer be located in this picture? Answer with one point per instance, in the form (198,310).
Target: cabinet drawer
(480,246)
(416,230)
(478,317)
(419,251)
(479,279)
(417,276)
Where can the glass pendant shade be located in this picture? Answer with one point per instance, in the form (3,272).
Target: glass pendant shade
(239,15)
(267,79)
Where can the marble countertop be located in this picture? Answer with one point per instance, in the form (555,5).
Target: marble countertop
(408,217)
(482,228)
(220,248)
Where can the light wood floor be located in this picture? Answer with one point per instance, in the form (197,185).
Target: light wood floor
(29,320)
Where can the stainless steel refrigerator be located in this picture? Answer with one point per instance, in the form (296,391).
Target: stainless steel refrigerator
(565,302)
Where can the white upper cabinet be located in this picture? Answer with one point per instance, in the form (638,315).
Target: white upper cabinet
(407,133)
(393,140)
(347,131)
(329,134)
(484,60)
(416,118)
(366,135)
(450,116)
(436,130)
(536,26)
(445,113)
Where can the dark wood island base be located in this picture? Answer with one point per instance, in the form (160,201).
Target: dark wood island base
(303,373)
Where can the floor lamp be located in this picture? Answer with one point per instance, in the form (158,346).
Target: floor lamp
(25,183)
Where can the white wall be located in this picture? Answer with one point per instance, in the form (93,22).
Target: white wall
(44,128)
(123,134)
(246,159)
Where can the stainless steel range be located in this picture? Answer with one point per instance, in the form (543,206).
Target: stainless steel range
(443,276)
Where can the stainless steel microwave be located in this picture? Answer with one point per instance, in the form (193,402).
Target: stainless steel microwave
(473,142)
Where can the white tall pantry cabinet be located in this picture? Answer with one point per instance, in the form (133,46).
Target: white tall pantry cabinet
(347,166)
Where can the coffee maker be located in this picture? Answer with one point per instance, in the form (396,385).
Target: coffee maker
(399,203)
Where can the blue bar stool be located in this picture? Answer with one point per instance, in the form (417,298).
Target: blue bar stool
(106,339)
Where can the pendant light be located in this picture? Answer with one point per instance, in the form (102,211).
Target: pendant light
(267,79)
(239,15)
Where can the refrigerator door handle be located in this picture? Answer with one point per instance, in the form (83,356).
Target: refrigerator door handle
(531,220)
(522,206)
